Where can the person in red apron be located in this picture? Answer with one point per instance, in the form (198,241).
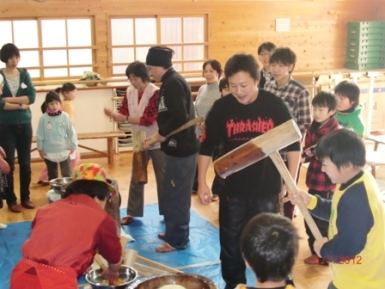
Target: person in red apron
(67,233)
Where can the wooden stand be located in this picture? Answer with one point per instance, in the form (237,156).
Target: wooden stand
(144,266)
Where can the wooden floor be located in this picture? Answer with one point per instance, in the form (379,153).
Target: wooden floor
(305,276)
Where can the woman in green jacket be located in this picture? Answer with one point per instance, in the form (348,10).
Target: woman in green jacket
(17,93)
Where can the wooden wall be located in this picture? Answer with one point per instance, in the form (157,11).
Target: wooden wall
(318,27)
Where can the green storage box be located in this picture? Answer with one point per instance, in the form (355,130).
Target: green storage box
(367,60)
(379,37)
(351,53)
(358,41)
(355,48)
(365,24)
(364,66)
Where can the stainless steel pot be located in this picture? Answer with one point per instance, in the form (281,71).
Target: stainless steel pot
(59,185)
(126,273)
(189,281)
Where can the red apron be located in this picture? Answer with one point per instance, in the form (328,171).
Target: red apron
(32,275)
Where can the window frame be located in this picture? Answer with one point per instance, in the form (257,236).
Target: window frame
(40,47)
(158,18)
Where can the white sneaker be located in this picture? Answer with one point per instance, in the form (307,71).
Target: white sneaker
(3,226)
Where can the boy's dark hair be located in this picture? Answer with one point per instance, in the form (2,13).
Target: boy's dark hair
(269,244)
(52,96)
(138,69)
(86,187)
(242,62)
(325,99)
(350,90)
(66,87)
(223,84)
(342,147)
(7,51)
(215,64)
(266,46)
(284,55)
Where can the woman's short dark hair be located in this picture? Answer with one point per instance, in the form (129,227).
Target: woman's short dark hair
(269,244)
(52,96)
(342,147)
(266,46)
(8,51)
(87,187)
(139,69)
(215,64)
(66,87)
(242,62)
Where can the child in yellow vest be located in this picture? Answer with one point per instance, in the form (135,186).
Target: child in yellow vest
(355,247)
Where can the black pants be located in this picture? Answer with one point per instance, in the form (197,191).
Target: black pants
(176,199)
(65,168)
(233,216)
(17,137)
(322,225)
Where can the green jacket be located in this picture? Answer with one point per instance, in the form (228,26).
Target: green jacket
(352,120)
(25,88)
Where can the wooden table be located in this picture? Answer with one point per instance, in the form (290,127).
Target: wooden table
(374,158)
(98,135)
(378,139)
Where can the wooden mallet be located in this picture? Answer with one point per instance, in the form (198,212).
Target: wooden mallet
(267,145)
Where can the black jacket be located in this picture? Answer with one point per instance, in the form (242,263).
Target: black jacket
(175,109)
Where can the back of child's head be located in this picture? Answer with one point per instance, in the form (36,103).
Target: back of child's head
(66,87)
(269,244)
(223,84)
(52,96)
(268,46)
(242,62)
(284,55)
(350,90)
(325,99)
(342,147)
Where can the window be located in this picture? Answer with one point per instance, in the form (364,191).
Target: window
(51,48)
(131,37)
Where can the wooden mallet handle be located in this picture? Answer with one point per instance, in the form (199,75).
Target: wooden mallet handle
(179,129)
(292,188)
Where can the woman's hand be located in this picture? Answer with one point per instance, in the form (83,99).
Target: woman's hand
(42,154)
(109,112)
(149,142)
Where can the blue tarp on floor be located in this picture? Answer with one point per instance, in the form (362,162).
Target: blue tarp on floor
(201,256)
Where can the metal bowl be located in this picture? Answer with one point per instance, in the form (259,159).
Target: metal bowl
(126,273)
(189,281)
(59,185)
